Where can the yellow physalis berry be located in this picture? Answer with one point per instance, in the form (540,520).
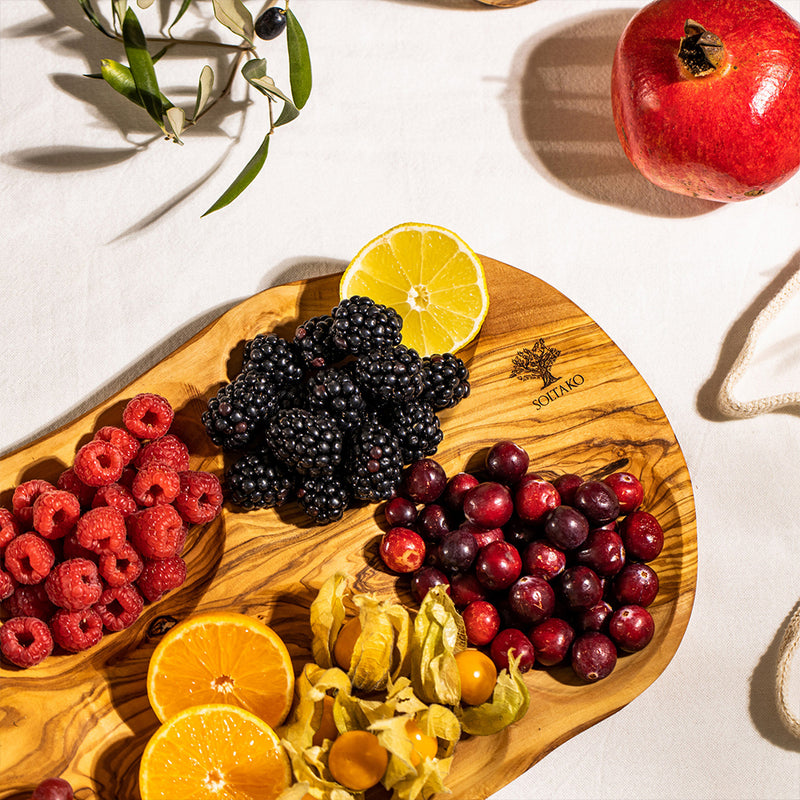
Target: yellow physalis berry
(423,746)
(357,760)
(327,727)
(478,676)
(345,642)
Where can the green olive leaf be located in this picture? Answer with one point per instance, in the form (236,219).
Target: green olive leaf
(88,9)
(120,78)
(243,179)
(119,7)
(177,121)
(181,11)
(204,86)
(141,65)
(233,14)
(255,73)
(299,60)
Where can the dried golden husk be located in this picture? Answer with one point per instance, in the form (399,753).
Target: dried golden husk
(327,616)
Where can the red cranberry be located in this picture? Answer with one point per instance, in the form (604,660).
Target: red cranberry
(402,550)
(597,501)
(498,565)
(635,584)
(534,497)
(425,579)
(481,621)
(581,587)
(541,558)
(457,551)
(506,462)
(594,656)
(594,618)
(464,588)
(400,511)
(489,505)
(532,599)
(603,551)
(456,489)
(515,642)
(433,522)
(631,628)
(566,486)
(483,536)
(566,528)
(643,536)
(424,481)
(551,640)
(628,489)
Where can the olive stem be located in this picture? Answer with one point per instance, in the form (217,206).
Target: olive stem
(701,51)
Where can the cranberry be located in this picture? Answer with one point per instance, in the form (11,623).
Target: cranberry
(425,579)
(455,490)
(541,558)
(635,584)
(597,501)
(400,511)
(566,486)
(424,481)
(483,536)
(498,565)
(433,522)
(532,599)
(603,551)
(581,587)
(551,640)
(457,551)
(594,656)
(464,588)
(631,628)
(53,789)
(402,550)
(506,462)
(566,528)
(514,642)
(534,497)
(481,621)
(643,536)
(593,618)
(489,505)
(628,489)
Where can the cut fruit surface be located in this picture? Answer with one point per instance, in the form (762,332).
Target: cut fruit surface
(221,657)
(214,751)
(431,278)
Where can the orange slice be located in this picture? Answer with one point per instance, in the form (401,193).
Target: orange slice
(221,657)
(217,752)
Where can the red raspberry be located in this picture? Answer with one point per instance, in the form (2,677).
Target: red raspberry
(76,630)
(117,496)
(98,463)
(157,532)
(7,585)
(168,450)
(127,445)
(29,558)
(71,548)
(74,584)
(101,530)
(160,576)
(55,513)
(25,641)
(200,498)
(30,601)
(22,501)
(126,479)
(156,485)
(70,482)
(9,528)
(119,607)
(148,416)
(121,567)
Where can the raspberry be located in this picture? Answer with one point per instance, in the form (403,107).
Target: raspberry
(76,630)
(117,496)
(25,641)
(70,482)
(71,548)
(126,479)
(160,576)
(74,584)
(148,416)
(22,501)
(127,445)
(9,528)
(55,513)
(101,530)
(200,498)
(122,567)
(156,485)
(157,532)
(30,601)
(98,463)
(7,585)
(119,607)
(29,558)
(168,450)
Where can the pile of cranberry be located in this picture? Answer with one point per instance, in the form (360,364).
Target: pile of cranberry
(551,571)
(80,557)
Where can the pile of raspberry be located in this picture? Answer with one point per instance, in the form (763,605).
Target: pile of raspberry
(81,558)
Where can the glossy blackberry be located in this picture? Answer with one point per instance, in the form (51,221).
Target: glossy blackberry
(416,426)
(374,462)
(236,416)
(393,375)
(313,342)
(334,390)
(308,442)
(361,325)
(446,380)
(256,480)
(275,357)
(323,498)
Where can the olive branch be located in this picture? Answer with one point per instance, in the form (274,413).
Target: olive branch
(137,80)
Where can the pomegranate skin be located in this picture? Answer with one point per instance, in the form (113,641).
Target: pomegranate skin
(727,136)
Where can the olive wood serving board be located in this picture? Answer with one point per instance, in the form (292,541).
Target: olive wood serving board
(577,405)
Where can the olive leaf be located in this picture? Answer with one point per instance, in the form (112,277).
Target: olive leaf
(183,9)
(243,179)
(141,65)
(120,78)
(177,120)
(88,9)
(299,60)
(204,87)
(144,3)
(118,9)
(255,72)
(234,15)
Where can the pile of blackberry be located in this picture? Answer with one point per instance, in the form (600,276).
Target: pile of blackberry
(331,417)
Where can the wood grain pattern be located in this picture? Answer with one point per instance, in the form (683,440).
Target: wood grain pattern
(86,716)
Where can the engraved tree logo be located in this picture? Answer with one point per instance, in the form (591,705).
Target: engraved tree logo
(535,362)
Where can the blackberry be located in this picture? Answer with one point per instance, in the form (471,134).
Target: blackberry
(275,357)
(308,442)
(236,416)
(361,325)
(256,480)
(334,390)
(446,380)
(416,426)
(323,498)
(393,375)
(313,342)
(374,463)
